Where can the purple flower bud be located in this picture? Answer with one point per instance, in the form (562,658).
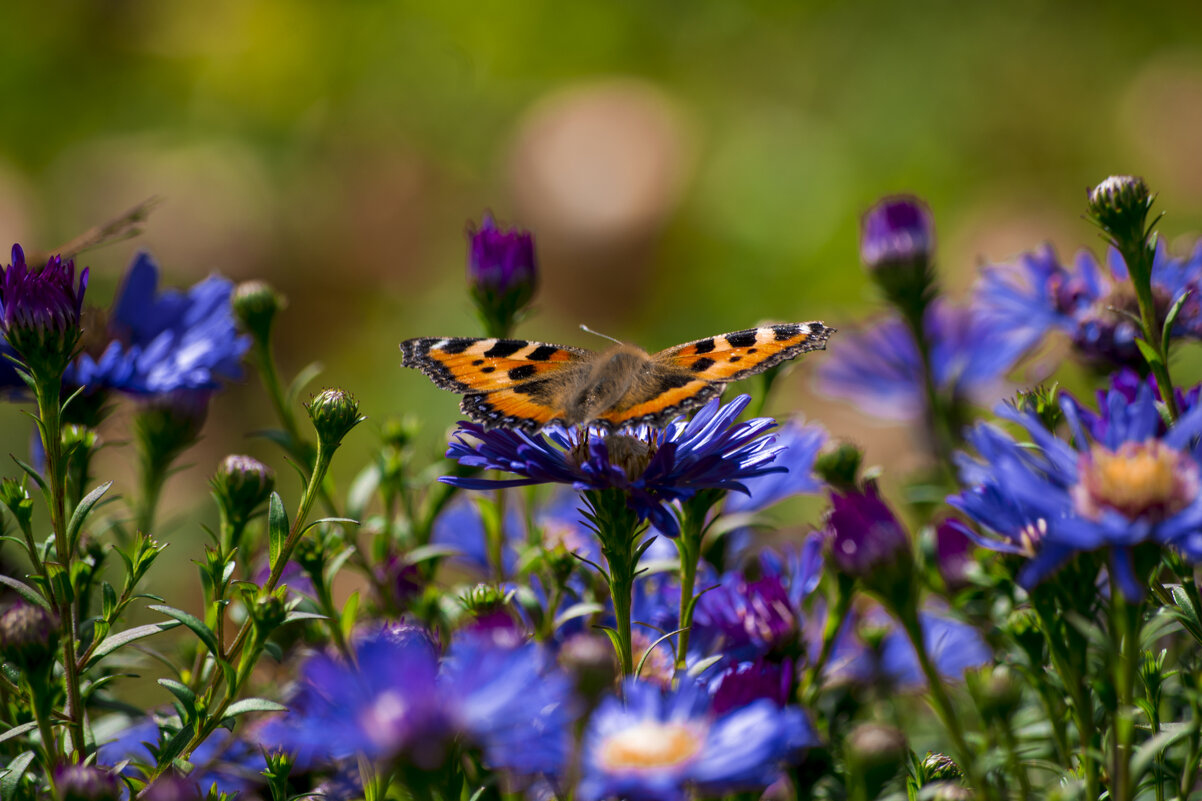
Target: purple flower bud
(953,553)
(85,783)
(502,274)
(40,311)
(173,788)
(864,534)
(746,682)
(241,484)
(28,635)
(898,230)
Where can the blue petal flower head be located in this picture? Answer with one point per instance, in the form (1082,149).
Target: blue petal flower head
(653,467)
(163,341)
(1037,295)
(668,745)
(799,445)
(1128,383)
(460,526)
(879,369)
(401,702)
(1127,484)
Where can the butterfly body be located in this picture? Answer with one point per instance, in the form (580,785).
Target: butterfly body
(527,385)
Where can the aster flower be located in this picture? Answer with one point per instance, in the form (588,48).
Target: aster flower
(880,368)
(665,746)
(400,702)
(652,467)
(1037,295)
(157,342)
(502,274)
(40,311)
(798,446)
(1124,486)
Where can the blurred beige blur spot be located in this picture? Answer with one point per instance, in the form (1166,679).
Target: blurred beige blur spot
(1161,113)
(595,171)
(16,225)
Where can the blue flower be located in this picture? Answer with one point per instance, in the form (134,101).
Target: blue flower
(653,467)
(799,445)
(666,746)
(1121,487)
(879,369)
(1037,295)
(229,763)
(158,342)
(401,702)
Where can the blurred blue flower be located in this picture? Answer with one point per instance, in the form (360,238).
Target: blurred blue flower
(224,761)
(158,342)
(879,369)
(1037,295)
(653,467)
(660,745)
(1124,486)
(400,702)
(461,526)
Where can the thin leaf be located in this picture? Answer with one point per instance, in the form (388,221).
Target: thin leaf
(17,731)
(196,625)
(182,692)
(26,592)
(643,659)
(302,379)
(424,553)
(114,642)
(349,610)
(1147,753)
(1171,318)
(277,527)
(253,705)
(75,524)
(697,668)
(295,616)
(34,474)
(362,489)
(1149,353)
(574,611)
(331,520)
(11,779)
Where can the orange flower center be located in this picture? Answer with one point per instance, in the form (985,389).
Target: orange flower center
(1140,479)
(651,744)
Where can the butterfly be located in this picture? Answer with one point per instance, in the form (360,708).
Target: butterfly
(514,383)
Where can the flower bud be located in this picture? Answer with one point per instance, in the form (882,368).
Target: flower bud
(875,753)
(953,554)
(86,783)
(40,312)
(334,413)
(167,425)
(997,691)
(951,791)
(941,767)
(897,240)
(1024,628)
(28,636)
(502,274)
(241,484)
(171,787)
(16,498)
(1120,206)
(255,305)
(840,466)
(401,581)
(865,537)
(591,663)
(268,613)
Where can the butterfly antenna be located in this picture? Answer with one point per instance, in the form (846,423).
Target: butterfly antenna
(588,330)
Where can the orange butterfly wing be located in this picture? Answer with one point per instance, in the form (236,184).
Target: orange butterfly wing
(729,357)
(506,382)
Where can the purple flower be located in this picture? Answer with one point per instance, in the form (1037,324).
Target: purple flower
(747,682)
(502,274)
(400,702)
(953,553)
(85,783)
(1123,486)
(40,310)
(157,342)
(667,746)
(879,369)
(653,467)
(864,535)
(1037,295)
(898,230)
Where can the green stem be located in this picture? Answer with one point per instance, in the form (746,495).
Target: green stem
(1139,257)
(830,633)
(48,399)
(941,439)
(689,546)
(1125,638)
(1074,684)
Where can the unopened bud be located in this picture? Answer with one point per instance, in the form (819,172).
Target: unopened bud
(28,636)
(255,305)
(241,485)
(334,413)
(86,783)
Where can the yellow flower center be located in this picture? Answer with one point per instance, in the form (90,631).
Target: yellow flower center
(1140,479)
(651,744)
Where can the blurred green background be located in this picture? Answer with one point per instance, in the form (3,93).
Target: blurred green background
(687,168)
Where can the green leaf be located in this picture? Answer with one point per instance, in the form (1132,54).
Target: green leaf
(643,659)
(295,616)
(114,642)
(11,779)
(612,633)
(697,668)
(306,374)
(175,746)
(26,592)
(1147,753)
(277,527)
(1149,353)
(183,693)
(1171,318)
(331,520)
(362,489)
(349,610)
(197,626)
(75,524)
(338,561)
(34,474)
(17,731)
(253,705)
(424,553)
(574,611)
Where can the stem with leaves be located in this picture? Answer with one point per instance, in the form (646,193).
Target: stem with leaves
(618,528)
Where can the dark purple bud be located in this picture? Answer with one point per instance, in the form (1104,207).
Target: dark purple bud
(86,783)
(864,535)
(28,636)
(501,260)
(750,681)
(40,311)
(401,580)
(502,274)
(896,231)
(953,553)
